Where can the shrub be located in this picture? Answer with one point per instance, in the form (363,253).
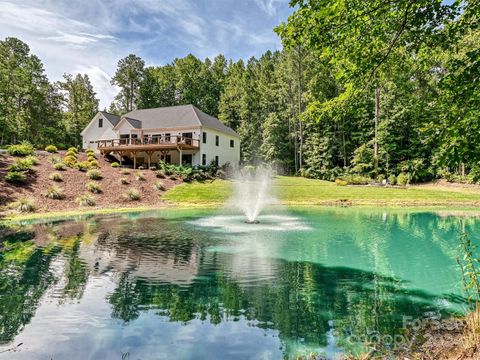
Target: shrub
(94,174)
(22,149)
(392,179)
(90,151)
(91,154)
(403,179)
(54,159)
(341,182)
(33,160)
(16,177)
(380,178)
(124,181)
(160,174)
(72,149)
(51,149)
(140,176)
(132,194)
(70,161)
(124,172)
(71,153)
(173,177)
(83,166)
(54,192)
(85,200)
(94,163)
(59,166)
(56,177)
(168,172)
(23,205)
(21,165)
(115,164)
(159,186)
(93,187)
(357,180)
(221,174)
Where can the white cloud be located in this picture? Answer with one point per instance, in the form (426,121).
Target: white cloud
(270,6)
(91,36)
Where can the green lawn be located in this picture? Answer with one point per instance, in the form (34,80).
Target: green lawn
(300,191)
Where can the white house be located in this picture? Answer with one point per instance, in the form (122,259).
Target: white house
(176,134)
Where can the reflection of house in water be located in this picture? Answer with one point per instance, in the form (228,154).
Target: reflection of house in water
(167,254)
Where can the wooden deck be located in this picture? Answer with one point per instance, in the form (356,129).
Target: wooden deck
(149,146)
(152,144)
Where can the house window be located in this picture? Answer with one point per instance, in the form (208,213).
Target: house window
(204,159)
(217,140)
(100,122)
(232,143)
(204,137)
(216,160)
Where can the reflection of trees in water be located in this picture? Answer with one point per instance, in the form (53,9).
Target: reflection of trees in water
(299,304)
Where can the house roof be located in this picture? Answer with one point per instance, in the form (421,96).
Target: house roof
(175,116)
(113,119)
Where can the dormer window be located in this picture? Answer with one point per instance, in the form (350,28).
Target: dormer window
(100,122)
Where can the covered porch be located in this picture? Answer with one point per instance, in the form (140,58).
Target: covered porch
(149,148)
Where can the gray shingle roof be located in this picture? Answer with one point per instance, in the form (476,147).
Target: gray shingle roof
(113,119)
(176,116)
(137,124)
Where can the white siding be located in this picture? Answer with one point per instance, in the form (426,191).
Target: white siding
(93,133)
(225,153)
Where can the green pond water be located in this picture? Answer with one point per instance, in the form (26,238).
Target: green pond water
(202,284)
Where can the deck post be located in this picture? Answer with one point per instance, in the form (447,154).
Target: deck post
(149,156)
(134,153)
(180,154)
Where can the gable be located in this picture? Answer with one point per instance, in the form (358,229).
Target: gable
(93,124)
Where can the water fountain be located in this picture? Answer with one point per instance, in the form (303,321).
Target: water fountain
(251,192)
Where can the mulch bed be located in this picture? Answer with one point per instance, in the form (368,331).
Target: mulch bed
(74,182)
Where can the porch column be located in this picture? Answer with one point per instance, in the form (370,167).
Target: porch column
(180,153)
(134,153)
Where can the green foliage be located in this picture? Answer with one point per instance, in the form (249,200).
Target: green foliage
(94,163)
(21,165)
(54,159)
(125,172)
(23,205)
(128,77)
(115,164)
(132,194)
(124,181)
(85,200)
(470,266)
(93,187)
(51,149)
(55,177)
(59,166)
(54,192)
(94,174)
(23,149)
(357,180)
(72,149)
(16,177)
(392,179)
(403,179)
(83,166)
(173,177)
(341,182)
(70,161)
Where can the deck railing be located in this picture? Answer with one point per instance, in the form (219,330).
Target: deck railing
(153,141)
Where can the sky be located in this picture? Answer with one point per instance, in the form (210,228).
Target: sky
(90,36)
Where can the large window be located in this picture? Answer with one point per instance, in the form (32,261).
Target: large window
(232,143)
(217,140)
(100,122)
(204,159)
(204,137)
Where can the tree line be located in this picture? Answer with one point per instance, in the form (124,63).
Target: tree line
(368,88)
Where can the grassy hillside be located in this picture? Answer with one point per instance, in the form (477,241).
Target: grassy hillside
(301,191)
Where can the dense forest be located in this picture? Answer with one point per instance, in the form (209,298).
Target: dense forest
(367,88)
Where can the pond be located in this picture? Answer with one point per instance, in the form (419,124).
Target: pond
(193,284)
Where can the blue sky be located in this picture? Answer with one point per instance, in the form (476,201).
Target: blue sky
(90,36)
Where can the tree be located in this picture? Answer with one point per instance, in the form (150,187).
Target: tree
(80,104)
(29,103)
(129,76)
